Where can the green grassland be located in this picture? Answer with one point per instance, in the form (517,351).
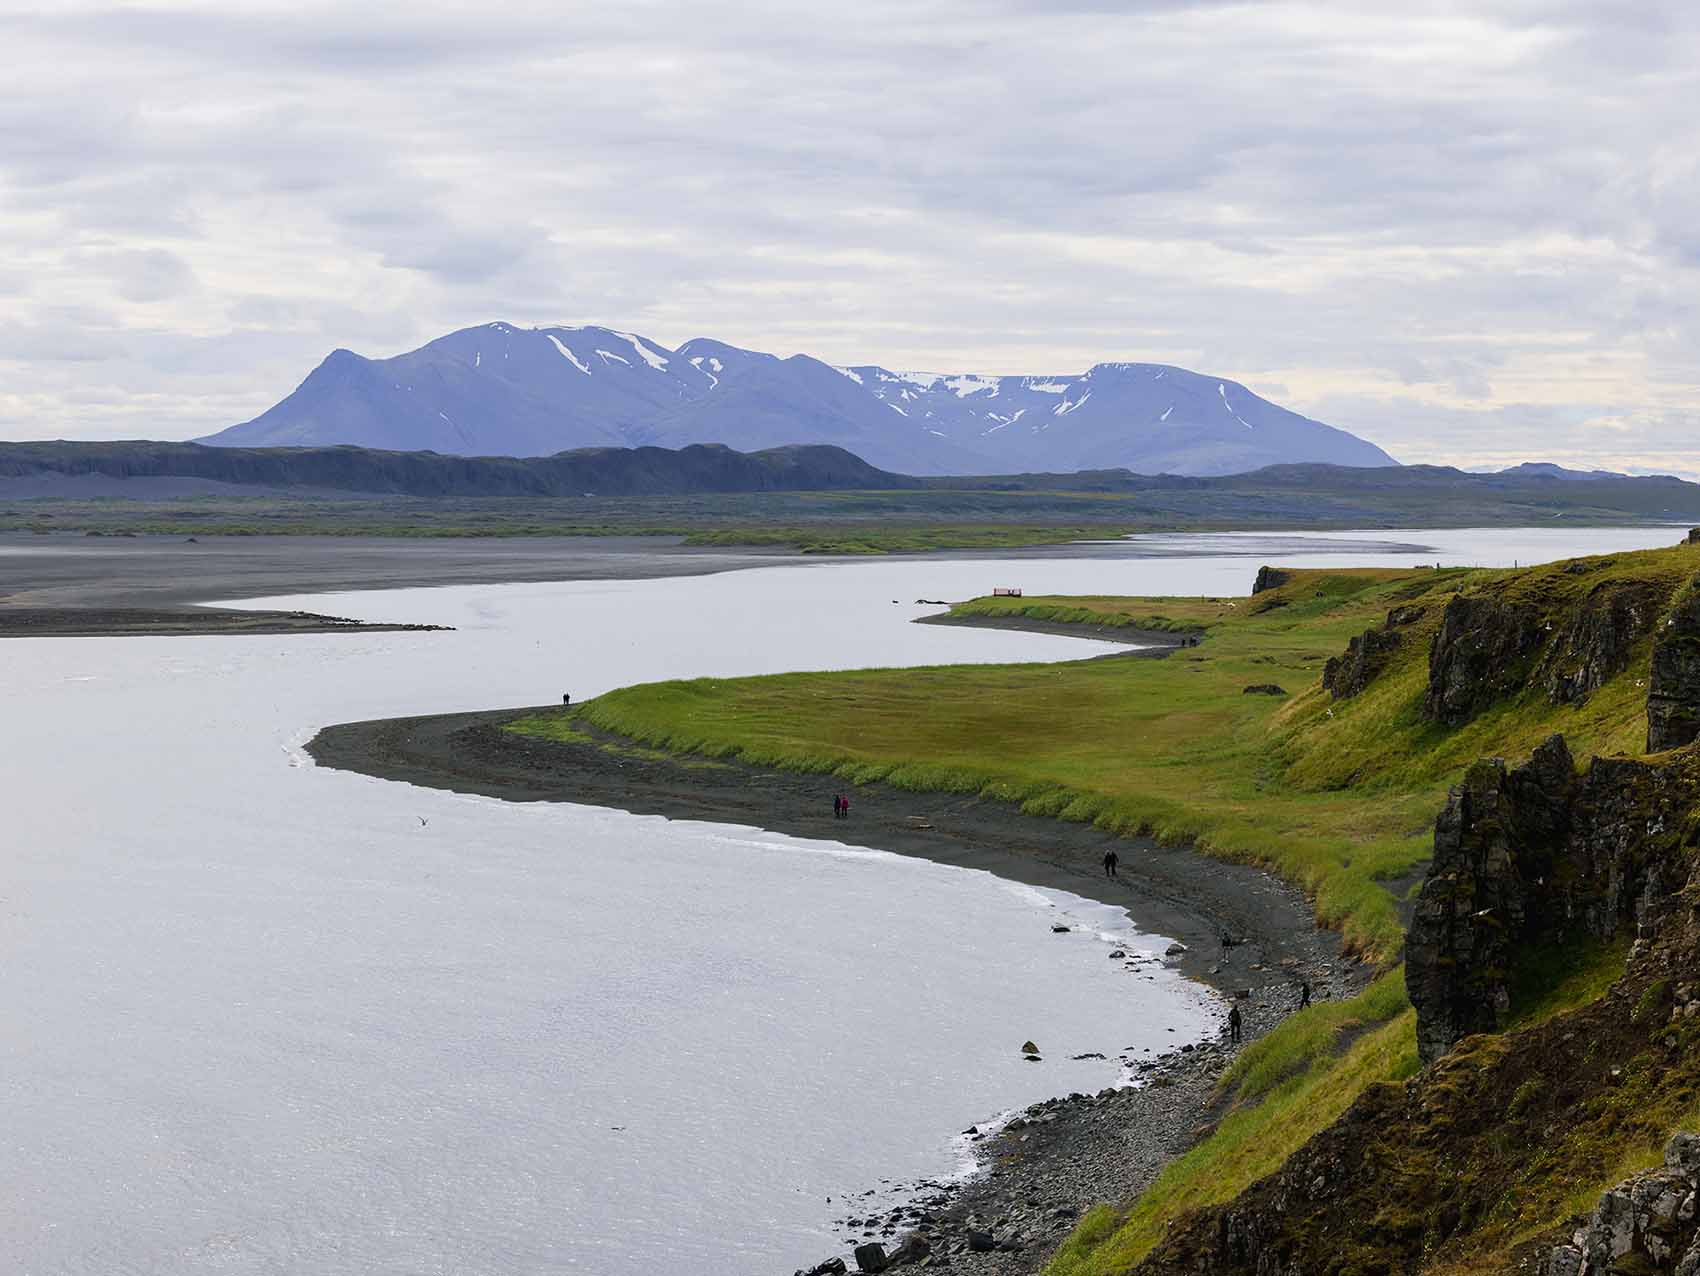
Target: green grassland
(1175,615)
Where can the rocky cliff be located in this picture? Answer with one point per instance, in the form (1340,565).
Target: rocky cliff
(1347,675)
(1673,687)
(1481,1152)
(1491,891)
(1493,644)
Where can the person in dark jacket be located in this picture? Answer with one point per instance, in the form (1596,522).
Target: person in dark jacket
(1234,1022)
(1110,862)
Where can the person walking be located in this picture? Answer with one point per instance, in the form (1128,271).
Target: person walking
(1110,862)
(1304,993)
(837,806)
(1234,1022)
(844,807)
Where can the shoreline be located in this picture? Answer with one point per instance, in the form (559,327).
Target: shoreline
(135,586)
(1171,891)
(1036,1173)
(183,622)
(1151,644)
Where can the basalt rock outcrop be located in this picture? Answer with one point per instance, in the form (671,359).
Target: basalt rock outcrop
(1480,654)
(1366,655)
(1495,849)
(1533,856)
(1474,1153)
(1673,686)
(1270,578)
(1489,647)
(1649,1223)
(1593,645)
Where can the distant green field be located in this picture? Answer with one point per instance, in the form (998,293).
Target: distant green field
(1168,615)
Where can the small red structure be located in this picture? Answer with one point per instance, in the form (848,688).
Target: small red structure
(1006,593)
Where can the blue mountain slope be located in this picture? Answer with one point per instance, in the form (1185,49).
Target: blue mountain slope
(502,390)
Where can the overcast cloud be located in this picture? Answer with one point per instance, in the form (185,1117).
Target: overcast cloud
(1470,233)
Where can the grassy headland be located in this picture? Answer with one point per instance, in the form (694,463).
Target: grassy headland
(1338,794)
(1339,797)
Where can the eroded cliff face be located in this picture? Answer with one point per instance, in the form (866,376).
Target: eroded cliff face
(1480,655)
(1673,685)
(1348,674)
(1490,647)
(1480,1149)
(1532,857)
(1493,883)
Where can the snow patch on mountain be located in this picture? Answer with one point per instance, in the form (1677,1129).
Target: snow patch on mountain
(649,356)
(1223,391)
(568,354)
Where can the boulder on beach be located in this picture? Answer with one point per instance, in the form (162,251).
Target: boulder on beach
(1027,1047)
(913,1250)
(871,1257)
(1175,949)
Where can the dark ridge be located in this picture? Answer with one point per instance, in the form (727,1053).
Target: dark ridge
(643,471)
(1364,494)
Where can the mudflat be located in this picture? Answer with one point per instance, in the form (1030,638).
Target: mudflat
(136,585)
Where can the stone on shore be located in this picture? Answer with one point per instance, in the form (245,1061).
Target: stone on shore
(871,1257)
(913,1250)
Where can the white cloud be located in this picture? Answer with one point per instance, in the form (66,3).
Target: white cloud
(1465,231)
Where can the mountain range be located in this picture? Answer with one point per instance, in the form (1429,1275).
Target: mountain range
(502,390)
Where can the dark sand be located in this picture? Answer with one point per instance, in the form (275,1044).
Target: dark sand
(159,584)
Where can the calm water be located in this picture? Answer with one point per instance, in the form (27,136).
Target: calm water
(259,1017)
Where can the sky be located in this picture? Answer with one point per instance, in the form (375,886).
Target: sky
(1468,232)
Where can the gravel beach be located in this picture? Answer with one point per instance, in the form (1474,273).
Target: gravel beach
(1054,1161)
